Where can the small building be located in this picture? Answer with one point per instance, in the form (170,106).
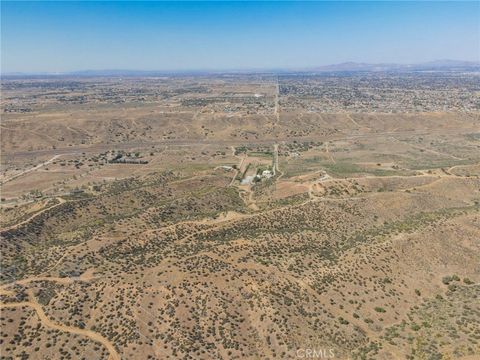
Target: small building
(248,180)
(267,174)
(76,192)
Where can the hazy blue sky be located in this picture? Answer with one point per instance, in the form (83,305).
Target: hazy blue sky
(65,36)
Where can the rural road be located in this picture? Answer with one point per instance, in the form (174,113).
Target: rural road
(276,168)
(275,159)
(101,147)
(31,169)
(277,102)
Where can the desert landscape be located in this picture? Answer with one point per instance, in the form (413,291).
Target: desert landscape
(241,216)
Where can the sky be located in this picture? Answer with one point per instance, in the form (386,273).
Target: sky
(68,36)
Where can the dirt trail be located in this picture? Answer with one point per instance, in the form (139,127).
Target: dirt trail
(72,330)
(276,167)
(235,174)
(353,121)
(327,150)
(313,185)
(60,280)
(275,159)
(13,177)
(61,201)
(237,171)
(326,178)
(58,262)
(101,147)
(427,149)
(449,170)
(230,216)
(31,132)
(252,203)
(364,127)
(277,105)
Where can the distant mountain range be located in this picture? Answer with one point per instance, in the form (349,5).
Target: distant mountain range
(437,65)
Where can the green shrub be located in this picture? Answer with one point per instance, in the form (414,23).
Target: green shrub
(415,327)
(447,280)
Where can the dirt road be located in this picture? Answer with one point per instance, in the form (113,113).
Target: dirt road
(61,201)
(276,168)
(277,105)
(327,150)
(100,147)
(31,169)
(72,330)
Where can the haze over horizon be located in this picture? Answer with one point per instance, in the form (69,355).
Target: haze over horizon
(437,64)
(177,36)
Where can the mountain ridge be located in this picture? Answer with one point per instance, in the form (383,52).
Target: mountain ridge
(349,66)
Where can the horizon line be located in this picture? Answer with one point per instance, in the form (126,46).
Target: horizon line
(435,63)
